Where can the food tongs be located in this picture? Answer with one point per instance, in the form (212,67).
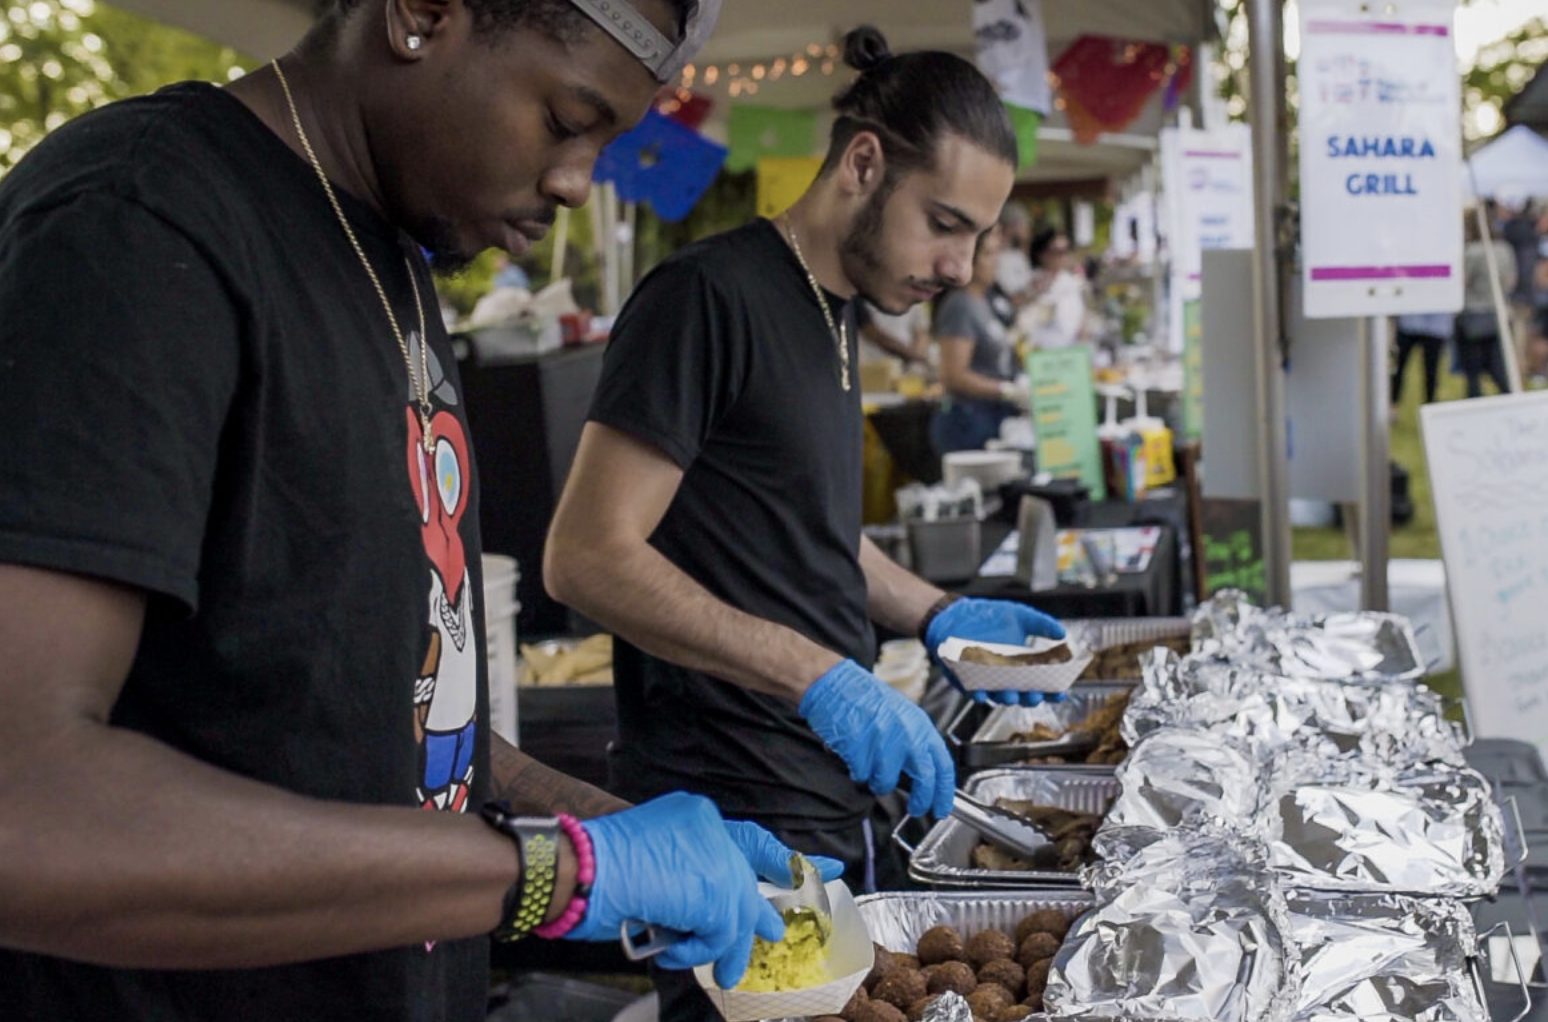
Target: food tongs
(1003,829)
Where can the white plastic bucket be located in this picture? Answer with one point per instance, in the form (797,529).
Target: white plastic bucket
(501,651)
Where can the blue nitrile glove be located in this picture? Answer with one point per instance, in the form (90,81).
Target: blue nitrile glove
(770,858)
(881,735)
(671,863)
(1002,621)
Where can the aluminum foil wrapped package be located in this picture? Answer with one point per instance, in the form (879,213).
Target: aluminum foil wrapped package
(1383,958)
(1388,723)
(1192,927)
(1197,694)
(1174,778)
(1434,831)
(1336,647)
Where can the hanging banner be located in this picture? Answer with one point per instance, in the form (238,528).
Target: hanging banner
(1381,158)
(1065,416)
(754,132)
(662,163)
(1013,51)
(784,179)
(1026,122)
(1207,192)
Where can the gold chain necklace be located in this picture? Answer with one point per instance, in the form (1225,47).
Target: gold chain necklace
(421,384)
(840,332)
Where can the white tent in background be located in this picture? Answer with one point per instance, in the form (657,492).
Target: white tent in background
(1512,167)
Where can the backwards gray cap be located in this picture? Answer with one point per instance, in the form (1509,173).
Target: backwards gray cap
(624,22)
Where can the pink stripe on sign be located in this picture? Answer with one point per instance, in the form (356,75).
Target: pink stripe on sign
(1213,154)
(1377,272)
(1374,27)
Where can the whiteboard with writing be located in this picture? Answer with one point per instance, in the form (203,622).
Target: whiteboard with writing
(1381,158)
(1488,461)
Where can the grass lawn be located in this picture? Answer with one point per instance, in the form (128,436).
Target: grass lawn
(1417,539)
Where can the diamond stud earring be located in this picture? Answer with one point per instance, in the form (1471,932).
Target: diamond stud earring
(415,42)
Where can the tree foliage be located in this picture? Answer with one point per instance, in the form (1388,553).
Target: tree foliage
(61,58)
(1502,70)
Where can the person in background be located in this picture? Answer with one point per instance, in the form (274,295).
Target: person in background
(1426,333)
(712,519)
(1013,274)
(1478,331)
(905,336)
(978,361)
(1520,232)
(245,756)
(510,274)
(1056,315)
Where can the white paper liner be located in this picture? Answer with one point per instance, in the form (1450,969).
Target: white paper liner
(1035,678)
(850,958)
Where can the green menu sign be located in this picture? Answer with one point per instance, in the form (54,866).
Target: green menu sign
(1193,372)
(1064,412)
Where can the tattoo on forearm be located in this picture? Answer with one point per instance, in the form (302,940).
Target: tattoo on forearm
(531,787)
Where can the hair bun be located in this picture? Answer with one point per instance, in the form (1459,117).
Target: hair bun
(865,47)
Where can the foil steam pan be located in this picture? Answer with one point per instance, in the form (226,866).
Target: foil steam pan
(1384,958)
(897,919)
(1175,777)
(1388,723)
(1435,831)
(1364,646)
(1192,927)
(945,857)
(994,743)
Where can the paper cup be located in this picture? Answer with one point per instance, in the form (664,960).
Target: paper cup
(850,958)
(993,678)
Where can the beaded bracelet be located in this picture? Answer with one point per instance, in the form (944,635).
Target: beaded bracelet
(585,875)
(537,845)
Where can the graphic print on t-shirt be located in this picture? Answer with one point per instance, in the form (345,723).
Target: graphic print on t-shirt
(446,691)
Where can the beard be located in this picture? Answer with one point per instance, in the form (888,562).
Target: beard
(438,237)
(862,256)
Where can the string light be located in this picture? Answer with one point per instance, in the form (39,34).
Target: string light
(744,81)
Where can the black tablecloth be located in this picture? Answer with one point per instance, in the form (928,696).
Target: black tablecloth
(1155,592)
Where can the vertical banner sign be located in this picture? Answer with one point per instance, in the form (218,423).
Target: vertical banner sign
(1488,461)
(1381,158)
(1013,51)
(1207,181)
(1064,413)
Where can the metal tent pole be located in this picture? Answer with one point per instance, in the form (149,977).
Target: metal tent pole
(1266,61)
(1375,476)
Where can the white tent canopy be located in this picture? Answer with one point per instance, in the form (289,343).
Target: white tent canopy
(1512,167)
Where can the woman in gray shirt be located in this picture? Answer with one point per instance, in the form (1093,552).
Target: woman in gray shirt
(978,361)
(1478,330)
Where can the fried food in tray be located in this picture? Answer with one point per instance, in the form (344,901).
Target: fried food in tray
(1069,834)
(1060,654)
(566,662)
(1103,724)
(1121,662)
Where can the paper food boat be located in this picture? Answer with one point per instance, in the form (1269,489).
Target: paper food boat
(850,958)
(996,678)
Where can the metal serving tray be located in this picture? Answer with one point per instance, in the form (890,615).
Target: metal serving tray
(991,744)
(1102,632)
(945,857)
(897,919)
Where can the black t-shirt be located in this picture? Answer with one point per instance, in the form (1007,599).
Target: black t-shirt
(203,399)
(723,360)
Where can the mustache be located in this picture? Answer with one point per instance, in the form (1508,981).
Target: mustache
(931,284)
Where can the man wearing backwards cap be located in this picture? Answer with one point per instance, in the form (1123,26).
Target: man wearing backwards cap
(243,739)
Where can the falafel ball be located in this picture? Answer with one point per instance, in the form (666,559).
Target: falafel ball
(1014,1013)
(989,999)
(1036,947)
(902,988)
(879,1011)
(940,944)
(1050,920)
(916,1011)
(858,998)
(907,961)
(987,946)
(1005,972)
(883,965)
(954,976)
(1037,977)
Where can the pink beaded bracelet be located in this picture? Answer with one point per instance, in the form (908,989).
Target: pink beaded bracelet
(585,876)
